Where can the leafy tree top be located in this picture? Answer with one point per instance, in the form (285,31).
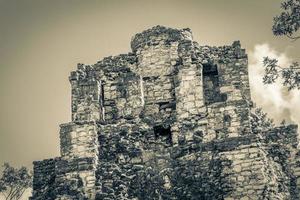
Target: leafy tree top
(288,22)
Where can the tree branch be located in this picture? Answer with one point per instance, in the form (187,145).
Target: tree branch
(21,193)
(16,191)
(9,193)
(293,38)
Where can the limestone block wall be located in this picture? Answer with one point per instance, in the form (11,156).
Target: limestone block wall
(122,94)
(283,149)
(234,168)
(86,94)
(189,90)
(156,60)
(128,152)
(75,179)
(44,179)
(226,90)
(228,119)
(295,165)
(78,140)
(253,174)
(64,179)
(120,158)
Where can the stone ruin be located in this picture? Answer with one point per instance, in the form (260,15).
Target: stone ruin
(169,120)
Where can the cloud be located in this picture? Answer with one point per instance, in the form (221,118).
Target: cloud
(274,99)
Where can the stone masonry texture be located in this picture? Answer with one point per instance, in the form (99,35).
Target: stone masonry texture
(169,120)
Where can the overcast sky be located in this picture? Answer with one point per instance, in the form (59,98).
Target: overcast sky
(42,41)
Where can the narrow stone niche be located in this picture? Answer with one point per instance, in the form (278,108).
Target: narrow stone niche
(163,134)
(101,102)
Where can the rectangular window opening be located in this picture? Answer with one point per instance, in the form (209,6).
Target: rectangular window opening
(163,134)
(211,84)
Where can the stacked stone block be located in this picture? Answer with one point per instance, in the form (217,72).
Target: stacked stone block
(44,179)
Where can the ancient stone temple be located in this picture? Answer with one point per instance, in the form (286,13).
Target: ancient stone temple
(169,120)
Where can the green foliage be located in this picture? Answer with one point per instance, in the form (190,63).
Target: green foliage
(14,182)
(192,179)
(201,182)
(288,22)
(285,24)
(289,75)
(147,185)
(260,121)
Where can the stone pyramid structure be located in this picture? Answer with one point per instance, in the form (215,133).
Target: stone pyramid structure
(170,120)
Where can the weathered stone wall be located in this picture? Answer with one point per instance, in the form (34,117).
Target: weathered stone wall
(79,155)
(282,143)
(120,158)
(122,91)
(86,95)
(78,140)
(169,120)
(44,179)
(226,90)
